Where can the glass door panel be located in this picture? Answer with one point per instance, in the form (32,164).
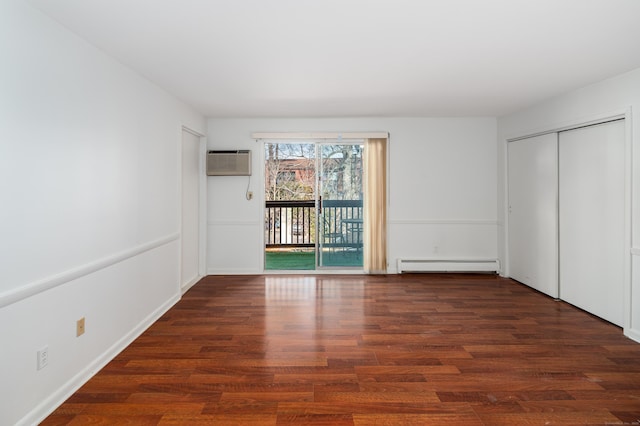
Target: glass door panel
(290,207)
(339,205)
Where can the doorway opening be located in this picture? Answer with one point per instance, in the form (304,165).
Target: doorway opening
(313,205)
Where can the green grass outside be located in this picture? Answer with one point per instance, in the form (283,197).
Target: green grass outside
(306,260)
(290,260)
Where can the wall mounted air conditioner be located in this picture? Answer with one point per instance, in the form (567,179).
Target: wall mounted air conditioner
(229,163)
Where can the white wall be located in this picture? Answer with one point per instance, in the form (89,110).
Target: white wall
(89,172)
(442,188)
(611,96)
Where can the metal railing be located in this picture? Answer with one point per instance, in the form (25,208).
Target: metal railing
(293,223)
(290,223)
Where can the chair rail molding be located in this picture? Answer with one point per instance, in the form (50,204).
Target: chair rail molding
(31,289)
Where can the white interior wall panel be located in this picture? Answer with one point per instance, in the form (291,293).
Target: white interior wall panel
(533,212)
(90,209)
(442,188)
(592,219)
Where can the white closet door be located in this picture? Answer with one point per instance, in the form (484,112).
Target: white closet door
(533,212)
(591,182)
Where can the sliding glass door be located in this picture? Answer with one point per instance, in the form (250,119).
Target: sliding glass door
(339,203)
(313,210)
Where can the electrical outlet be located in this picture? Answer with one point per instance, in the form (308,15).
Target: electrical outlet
(249,195)
(80,327)
(43,357)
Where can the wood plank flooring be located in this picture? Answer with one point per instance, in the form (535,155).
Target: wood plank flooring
(416,349)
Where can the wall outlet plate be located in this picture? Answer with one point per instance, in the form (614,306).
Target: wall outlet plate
(80,327)
(43,357)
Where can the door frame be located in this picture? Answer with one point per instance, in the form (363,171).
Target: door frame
(202,206)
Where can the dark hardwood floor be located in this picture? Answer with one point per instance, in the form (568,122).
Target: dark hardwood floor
(417,349)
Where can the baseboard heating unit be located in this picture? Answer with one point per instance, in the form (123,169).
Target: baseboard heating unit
(448,265)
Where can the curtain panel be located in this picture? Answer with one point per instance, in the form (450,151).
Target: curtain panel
(375,207)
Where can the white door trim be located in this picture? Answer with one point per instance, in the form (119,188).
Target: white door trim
(202,206)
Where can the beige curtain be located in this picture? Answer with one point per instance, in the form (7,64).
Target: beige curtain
(375,207)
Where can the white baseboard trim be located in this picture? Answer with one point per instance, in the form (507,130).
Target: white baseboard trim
(632,334)
(185,287)
(47,406)
(211,271)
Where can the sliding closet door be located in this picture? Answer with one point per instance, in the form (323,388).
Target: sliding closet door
(591,182)
(533,212)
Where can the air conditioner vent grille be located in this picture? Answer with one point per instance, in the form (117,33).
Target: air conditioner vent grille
(229,163)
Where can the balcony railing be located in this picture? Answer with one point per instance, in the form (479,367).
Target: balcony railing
(290,223)
(293,223)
